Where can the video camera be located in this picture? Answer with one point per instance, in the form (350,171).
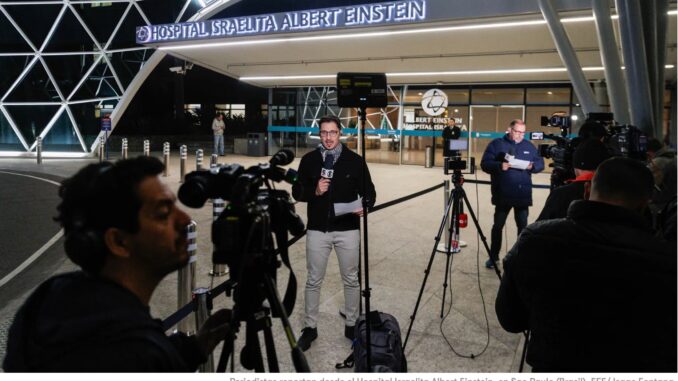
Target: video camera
(621,140)
(242,233)
(452,147)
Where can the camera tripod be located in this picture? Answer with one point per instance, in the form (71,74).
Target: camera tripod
(454,205)
(255,282)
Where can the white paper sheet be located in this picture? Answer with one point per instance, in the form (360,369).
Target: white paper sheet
(341,208)
(517,163)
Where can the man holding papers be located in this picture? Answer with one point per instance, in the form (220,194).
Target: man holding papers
(330,179)
(510,160)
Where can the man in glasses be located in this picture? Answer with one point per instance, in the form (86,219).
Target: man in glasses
(328,175)
(511,182)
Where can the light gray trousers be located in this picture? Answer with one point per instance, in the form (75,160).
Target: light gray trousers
(318,248)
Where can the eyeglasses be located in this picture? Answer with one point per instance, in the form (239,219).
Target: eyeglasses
(518,132)
(331,133)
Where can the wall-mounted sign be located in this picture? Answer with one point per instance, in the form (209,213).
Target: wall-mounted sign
(434,102)
(391,12)
(430,123)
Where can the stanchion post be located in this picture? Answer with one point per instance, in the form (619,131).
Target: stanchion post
(102,148)
(202,312)
(183,155)
(186,278)
(124,148)
(38,149)
(217,208)
(166,158)
(198,160)
(147,148)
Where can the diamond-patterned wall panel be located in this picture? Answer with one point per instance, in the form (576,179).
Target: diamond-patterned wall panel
(36,86)
(70,36)
(31,120)
(101,20)
(24,16)
(68,31)
(68,70)
(8,139)
(62,137)
(10,40)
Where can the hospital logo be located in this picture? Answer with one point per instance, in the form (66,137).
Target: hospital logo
(434,102)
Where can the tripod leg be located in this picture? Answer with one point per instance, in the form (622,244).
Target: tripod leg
(480,231)
(270,348)
(448,252)
(441,229)
(250,357)
(298,358)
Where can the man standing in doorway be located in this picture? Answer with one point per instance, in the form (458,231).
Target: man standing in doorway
(511,185)
(218,127)
(328,175)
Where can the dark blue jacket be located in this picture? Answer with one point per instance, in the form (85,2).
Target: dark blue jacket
(514,186)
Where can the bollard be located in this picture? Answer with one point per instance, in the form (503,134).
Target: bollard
(166,158)
(428,157)
(38,149)
(198,160)
(202,312)
(102,148)
(217,208)
(186,278)
(124,148)
(183,155)
(214,160)
(147,148)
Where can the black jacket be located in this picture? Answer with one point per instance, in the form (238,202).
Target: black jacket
(512,187)
(77,323)
(345,186)
(597,290)
(559,200)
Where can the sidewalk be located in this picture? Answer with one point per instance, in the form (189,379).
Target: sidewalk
(400,243)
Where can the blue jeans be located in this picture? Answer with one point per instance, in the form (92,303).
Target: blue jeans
(218,144)
(500,214)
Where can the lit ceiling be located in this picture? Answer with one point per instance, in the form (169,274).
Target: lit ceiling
(488,50)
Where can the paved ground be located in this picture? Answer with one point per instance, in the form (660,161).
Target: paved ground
(400,242)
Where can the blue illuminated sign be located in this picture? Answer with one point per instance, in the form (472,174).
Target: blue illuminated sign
(329,18)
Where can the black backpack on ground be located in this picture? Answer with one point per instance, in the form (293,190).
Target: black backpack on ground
(387,346)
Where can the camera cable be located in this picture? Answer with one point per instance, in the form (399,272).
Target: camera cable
(482,297)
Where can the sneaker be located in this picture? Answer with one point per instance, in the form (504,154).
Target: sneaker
(349,332)
(308,334)
(489,264)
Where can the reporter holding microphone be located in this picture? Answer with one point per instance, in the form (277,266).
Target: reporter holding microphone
(328,175)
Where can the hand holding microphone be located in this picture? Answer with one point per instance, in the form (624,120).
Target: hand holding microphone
(326,174)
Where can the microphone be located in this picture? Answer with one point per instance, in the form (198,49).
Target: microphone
(512,151)
(327,172)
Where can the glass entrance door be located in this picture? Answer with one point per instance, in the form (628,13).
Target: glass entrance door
(489,122)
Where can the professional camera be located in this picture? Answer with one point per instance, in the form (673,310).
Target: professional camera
(232,232)
(243,238)
(620,140)
(452,147)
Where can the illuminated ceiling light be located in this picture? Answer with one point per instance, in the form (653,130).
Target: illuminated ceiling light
(420,93)
(434,73)
(574,117)
(456,110)
(509,24)
(549,92)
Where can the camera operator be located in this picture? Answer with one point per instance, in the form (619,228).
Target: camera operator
(511,187)
(123,229)
(662,162)
(586,158)
(597,290)
(331,174)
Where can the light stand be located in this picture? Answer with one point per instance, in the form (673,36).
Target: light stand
(367,292)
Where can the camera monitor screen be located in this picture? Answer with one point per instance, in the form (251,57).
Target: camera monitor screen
(458,144)
(537,136)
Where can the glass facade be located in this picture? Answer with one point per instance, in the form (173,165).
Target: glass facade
(66,64)
(401,132)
